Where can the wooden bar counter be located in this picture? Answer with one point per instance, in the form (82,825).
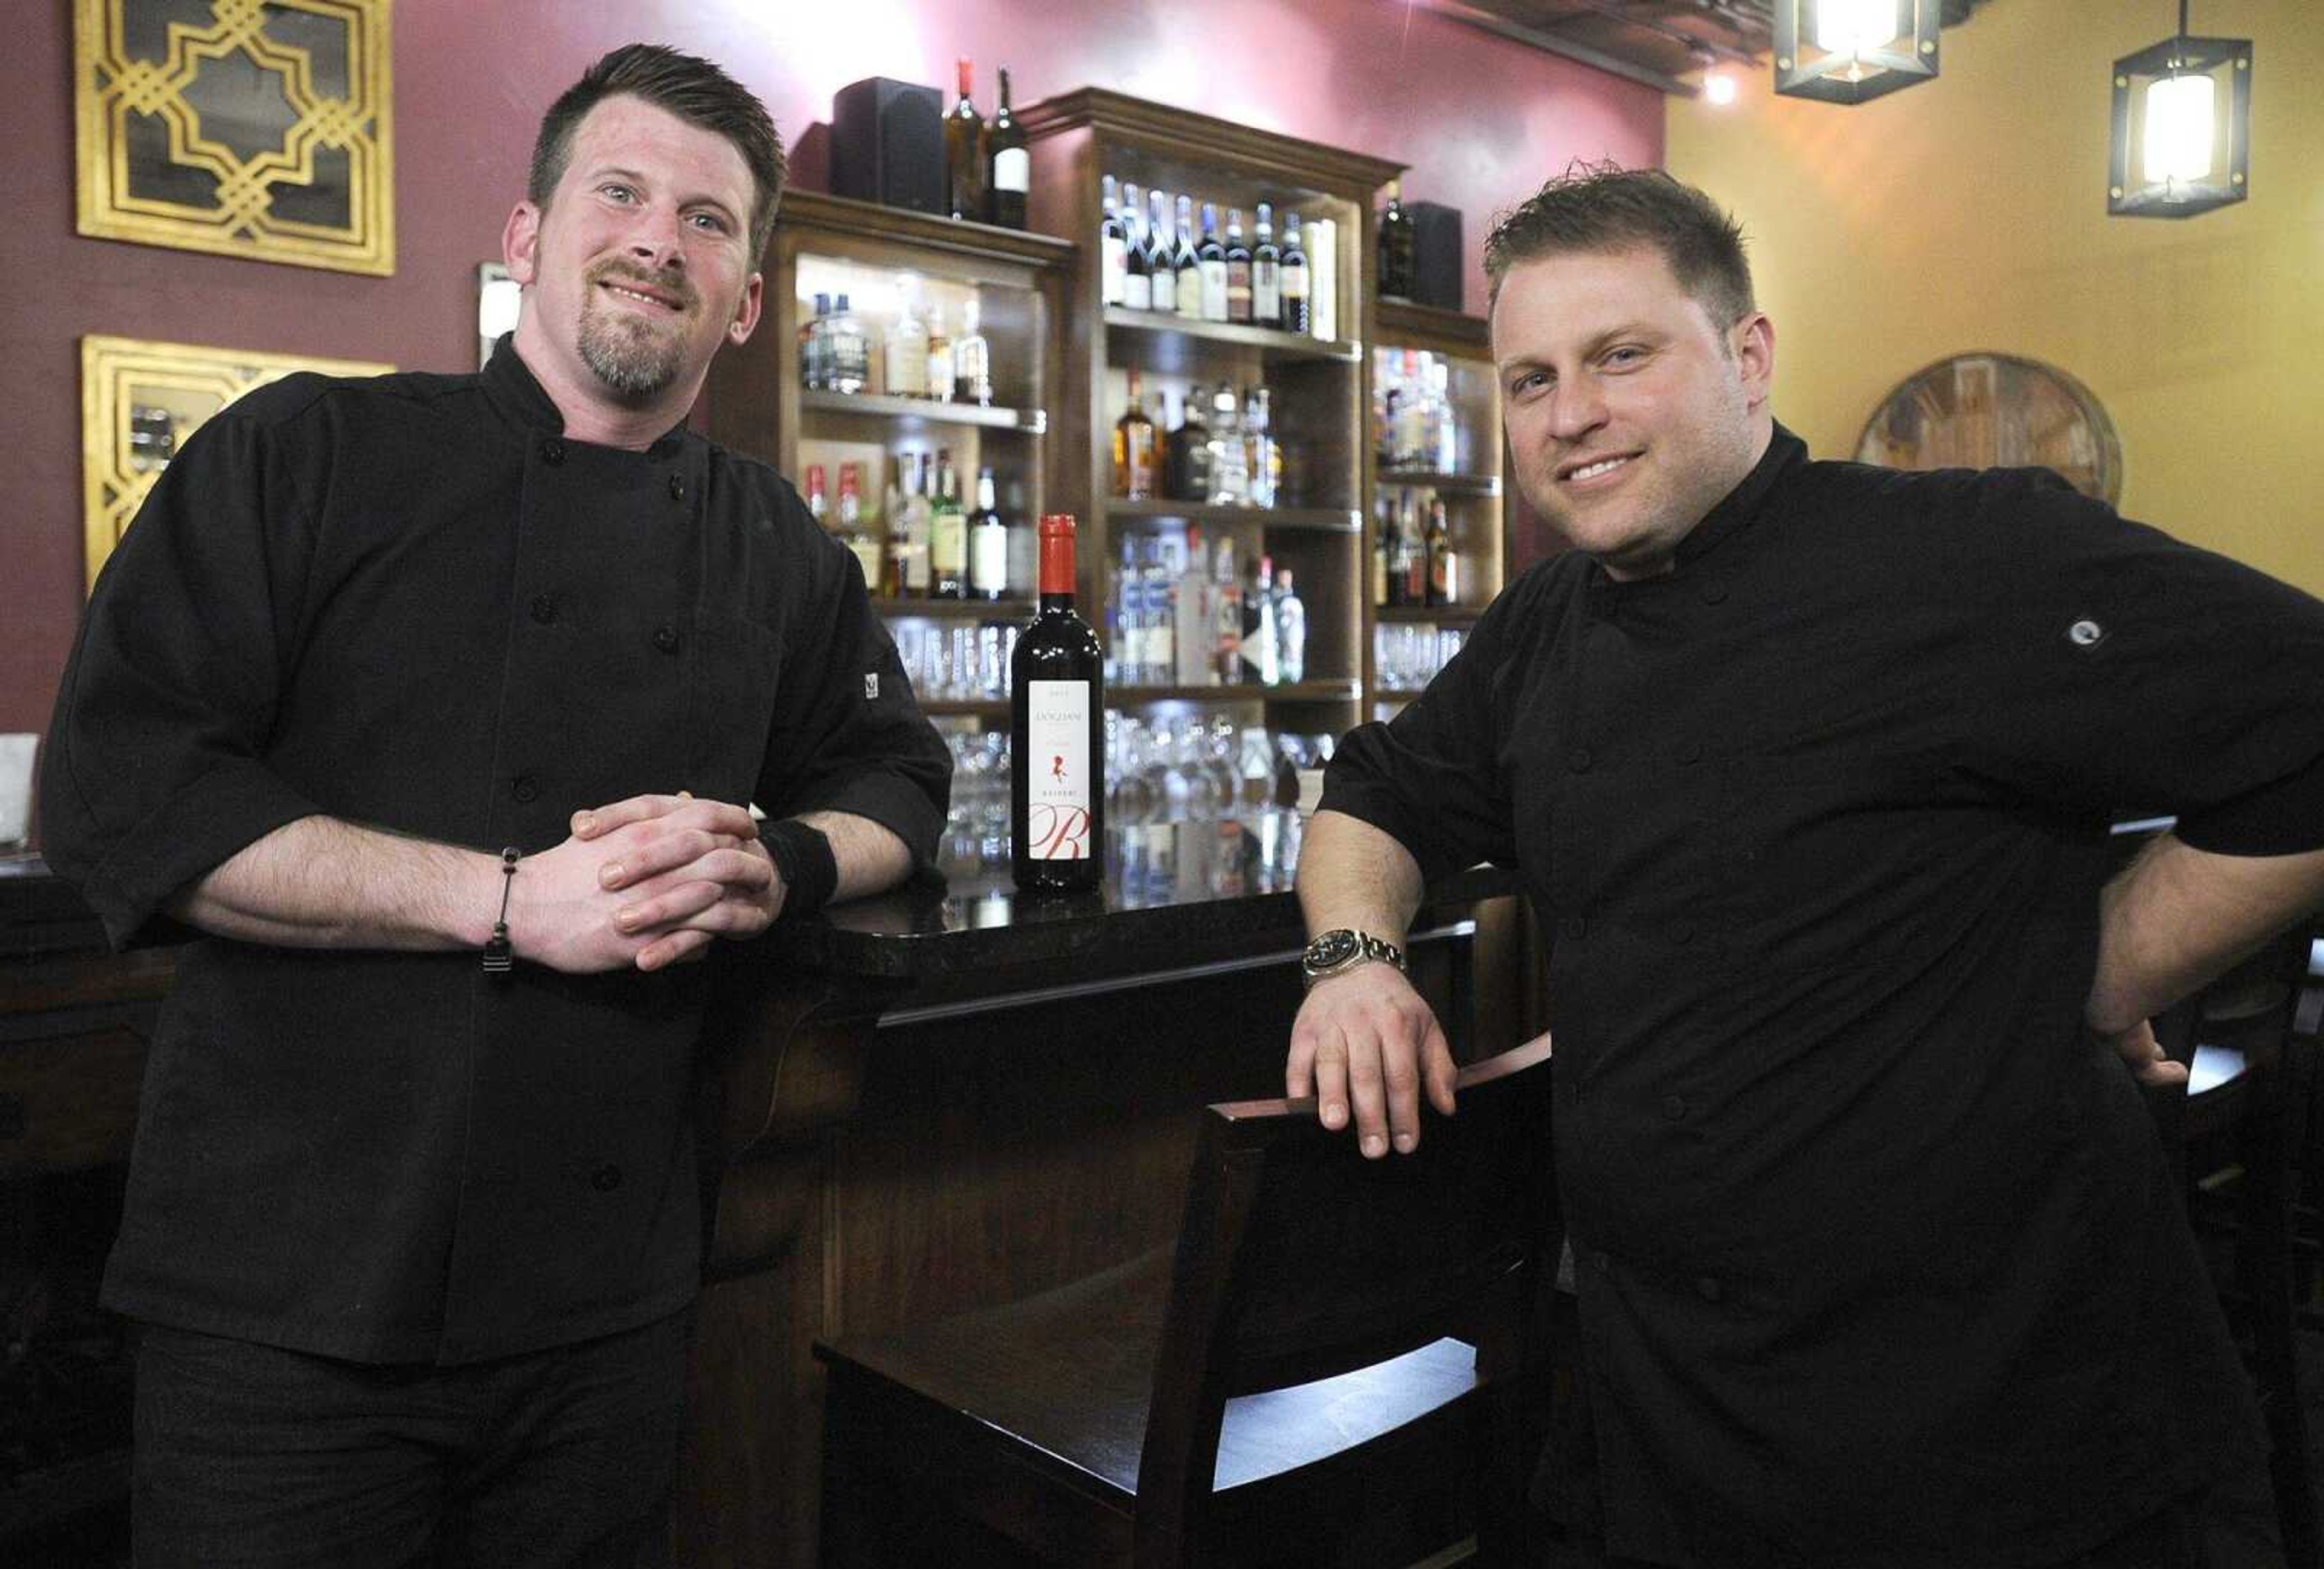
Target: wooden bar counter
(917,1104)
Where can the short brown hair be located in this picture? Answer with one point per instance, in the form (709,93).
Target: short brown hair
(693,89)
(1603,206)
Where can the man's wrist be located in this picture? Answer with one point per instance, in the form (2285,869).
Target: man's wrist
(1341,949)
(804,860)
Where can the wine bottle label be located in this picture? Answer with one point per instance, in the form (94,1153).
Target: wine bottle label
(988,565)
(1138,291)
(1117,269)
(1214,291)
(1013,170)
(1266,293)
(948,544)
(1190,292)
(1056,761)
(867,556)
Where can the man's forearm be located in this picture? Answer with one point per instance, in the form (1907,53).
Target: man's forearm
(318,882)
(1353,874)
(2177,915)
(870,856)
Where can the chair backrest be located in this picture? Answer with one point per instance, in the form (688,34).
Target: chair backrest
(1299,1260)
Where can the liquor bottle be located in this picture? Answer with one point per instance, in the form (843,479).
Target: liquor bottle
(971,359)
(1238,269)
(1197,615)
(1212,256)
(1265,273)
(965,152)
(1290,631)
(1261,663)
(908,536)
(1442,443)
(1408,429)
(1226,610)
(1416,553)
(817,507)
(815,346)
(1186,465)
(1137,271)
(1057,733)
(1443,560)
(1113,242)
(1125,609)
(851,355)
(1296,315)
(1187,264)
(1323,245)
(1399,555)
(1161,598)
(1008,172)
(1394,248)
(988,545)
(1262,458)
(852,533)
(947,534)
(904,359)
(940,361)
(1230,474)
(1134,449)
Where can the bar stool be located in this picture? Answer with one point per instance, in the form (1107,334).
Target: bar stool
(1294,1383)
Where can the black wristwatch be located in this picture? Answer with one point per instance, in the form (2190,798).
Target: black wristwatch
(1339,950)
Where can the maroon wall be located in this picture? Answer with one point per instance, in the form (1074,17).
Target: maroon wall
(1480,120)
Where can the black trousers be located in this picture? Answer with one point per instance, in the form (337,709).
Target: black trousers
(253,1456)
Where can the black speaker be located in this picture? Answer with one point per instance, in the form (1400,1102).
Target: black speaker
(1436,258)
(887,144)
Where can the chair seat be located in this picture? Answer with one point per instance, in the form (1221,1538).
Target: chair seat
(1069,1372)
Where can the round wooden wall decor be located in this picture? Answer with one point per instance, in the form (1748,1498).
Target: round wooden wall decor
(1997,410)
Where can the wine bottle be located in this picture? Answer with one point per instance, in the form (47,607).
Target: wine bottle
(988,545)
(1137,271)
(1238,269)
(1113,245)
(1212,259)
(1297,317)
(1189,266)
(965,152)
(1265,273)
(1444,559)
(1057,733)
(1134,449)
(1394,248)
(1161,255)
(1009,171)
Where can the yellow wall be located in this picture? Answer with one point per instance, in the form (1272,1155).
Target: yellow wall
(1968,213)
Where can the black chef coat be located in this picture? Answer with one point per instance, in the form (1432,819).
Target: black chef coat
(1878,1260)
(412,602)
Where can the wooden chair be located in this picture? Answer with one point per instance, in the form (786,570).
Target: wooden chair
(2235,1137)
(1296,1366)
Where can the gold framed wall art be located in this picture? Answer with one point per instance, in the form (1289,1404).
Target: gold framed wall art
(139,401)
(256,128)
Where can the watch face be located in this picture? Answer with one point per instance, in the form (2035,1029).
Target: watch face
(1336,947)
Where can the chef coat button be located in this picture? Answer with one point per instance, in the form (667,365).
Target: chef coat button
(1689,751)
(1674,1108)
(677,488)
(1573,926)
(1579,761)
(552,450)
(1597,1261)
(1681,932)
(544,609)
(2085,633)
(605,1179)
(1710,1288)
(524,789)
(666,639)
(1714,592)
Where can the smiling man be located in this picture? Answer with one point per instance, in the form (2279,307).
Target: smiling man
(1809,768)
(431,709)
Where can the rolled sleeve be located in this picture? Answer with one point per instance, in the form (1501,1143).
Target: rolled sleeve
(155,771)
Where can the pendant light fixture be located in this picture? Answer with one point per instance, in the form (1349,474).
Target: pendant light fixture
(2181,141)
(1844,51)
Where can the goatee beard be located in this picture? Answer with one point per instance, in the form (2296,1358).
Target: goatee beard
(634,360)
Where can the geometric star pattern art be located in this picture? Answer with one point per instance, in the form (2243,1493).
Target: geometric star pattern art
(256,128)
(139,401)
